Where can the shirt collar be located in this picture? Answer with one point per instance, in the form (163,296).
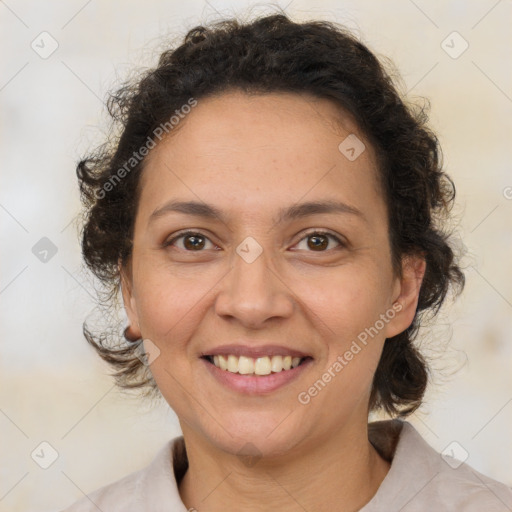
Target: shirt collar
(158,485)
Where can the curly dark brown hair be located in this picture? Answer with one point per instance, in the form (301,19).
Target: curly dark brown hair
(274,54)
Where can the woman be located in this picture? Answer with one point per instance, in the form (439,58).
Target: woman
(271,212)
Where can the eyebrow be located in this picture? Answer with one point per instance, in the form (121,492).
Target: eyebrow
(297,211)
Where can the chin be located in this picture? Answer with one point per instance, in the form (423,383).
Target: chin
(256,435)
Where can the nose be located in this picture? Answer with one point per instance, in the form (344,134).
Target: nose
(254,292)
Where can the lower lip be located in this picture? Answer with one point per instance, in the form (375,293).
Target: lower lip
(256,385)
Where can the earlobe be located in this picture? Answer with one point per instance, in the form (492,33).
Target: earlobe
(413,271)
(130,306)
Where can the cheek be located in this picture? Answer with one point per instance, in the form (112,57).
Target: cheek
(345,317)
(169,315)
(345,300)
(345,309)
(169,304)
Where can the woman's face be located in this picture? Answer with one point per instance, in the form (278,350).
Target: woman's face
(257,278)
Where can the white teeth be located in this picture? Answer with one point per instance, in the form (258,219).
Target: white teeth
(245,365)
(277,364)
(233,364)
(262,366)
(223,363)
(259,366)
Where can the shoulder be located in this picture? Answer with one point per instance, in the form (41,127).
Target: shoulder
(146,489)
(421,479)
(464,488)
(119,495)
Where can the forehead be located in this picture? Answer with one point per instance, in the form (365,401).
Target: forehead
(264,148)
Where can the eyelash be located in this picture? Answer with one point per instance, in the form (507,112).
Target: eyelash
(306,235)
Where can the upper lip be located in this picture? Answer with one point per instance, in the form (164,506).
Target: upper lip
(254,351)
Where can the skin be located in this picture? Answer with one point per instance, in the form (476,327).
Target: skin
(249,156)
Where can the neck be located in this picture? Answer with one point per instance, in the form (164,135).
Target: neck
(342,472)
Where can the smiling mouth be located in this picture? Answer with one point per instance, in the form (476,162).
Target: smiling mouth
(259,366)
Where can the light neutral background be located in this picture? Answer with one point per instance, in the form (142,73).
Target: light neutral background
(54,389)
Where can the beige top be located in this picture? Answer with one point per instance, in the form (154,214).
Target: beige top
(419,480)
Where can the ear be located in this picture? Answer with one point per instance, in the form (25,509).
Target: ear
(130,304)
(406,294)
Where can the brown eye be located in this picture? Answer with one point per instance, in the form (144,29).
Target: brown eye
(192,241)
(318,241)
